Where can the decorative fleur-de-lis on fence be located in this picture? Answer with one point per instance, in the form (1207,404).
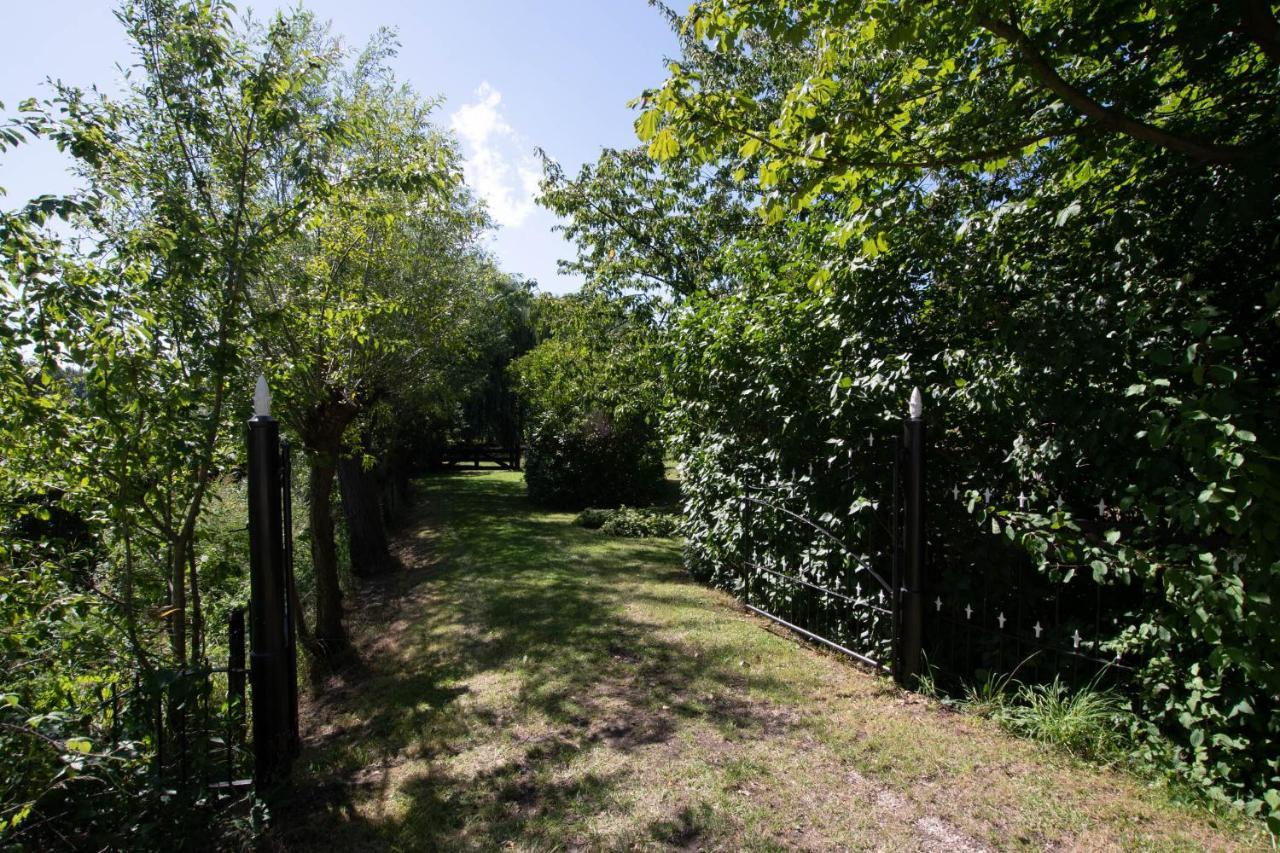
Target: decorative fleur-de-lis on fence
(1060,502)
(1022,501)
(1102,507)
(1001,620)
(968,611)
(987,494)
(955,492)
(1076,638)
(1037,628)
(871,439)
(937,604)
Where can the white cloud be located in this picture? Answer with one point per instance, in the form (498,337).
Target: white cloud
(499,166)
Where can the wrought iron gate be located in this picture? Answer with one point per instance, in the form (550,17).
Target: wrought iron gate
(877,617)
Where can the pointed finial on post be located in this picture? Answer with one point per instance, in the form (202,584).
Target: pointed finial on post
(261,398)
(916,407)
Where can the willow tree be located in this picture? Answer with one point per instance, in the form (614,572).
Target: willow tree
(366,294)
(122,338)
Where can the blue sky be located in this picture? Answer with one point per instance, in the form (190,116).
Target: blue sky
(515,74)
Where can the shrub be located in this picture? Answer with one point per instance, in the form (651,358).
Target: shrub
(626,521)
(592,395)
(592,519)
(596,461)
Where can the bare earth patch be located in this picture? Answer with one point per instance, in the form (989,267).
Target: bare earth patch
(526,684)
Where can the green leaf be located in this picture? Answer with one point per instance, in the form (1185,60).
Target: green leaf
(79,744)
(647,124)
(1066,213)
(664,146)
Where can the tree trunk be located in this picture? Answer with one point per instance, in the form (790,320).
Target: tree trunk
(366,535)
(329,637)
(393,485)
(178,602)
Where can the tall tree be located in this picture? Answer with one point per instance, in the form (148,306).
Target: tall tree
(1059,219)
(367,292)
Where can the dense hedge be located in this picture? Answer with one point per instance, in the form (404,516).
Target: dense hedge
(1090,305)
(598,460)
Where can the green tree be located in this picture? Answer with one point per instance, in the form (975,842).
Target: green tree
(367,294)
(182,217)
(593,393)
(123,339)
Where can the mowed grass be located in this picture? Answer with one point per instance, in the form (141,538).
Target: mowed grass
(527,684)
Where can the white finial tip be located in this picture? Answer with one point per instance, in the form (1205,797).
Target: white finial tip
(261,398)
(916,407)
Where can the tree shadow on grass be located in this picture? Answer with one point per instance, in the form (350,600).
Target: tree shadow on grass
(491,677)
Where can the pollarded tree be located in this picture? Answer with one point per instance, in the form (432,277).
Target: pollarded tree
(368,293)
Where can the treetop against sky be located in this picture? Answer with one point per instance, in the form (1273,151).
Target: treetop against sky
(514,76)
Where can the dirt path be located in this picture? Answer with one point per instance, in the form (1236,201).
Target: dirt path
(527,684)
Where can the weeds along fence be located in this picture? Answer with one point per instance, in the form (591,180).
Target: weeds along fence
(898,575)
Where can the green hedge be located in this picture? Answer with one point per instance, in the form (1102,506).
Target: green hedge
(598,461)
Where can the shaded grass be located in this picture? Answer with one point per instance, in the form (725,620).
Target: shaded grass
(531,684)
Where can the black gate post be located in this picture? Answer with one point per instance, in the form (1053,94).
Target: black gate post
(268,638)
(911,602)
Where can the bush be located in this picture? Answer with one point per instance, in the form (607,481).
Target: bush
(629,522)
(597,461)
(592,393)
(592,519)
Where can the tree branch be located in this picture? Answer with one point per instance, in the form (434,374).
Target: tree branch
(1109,117)
(1260,25)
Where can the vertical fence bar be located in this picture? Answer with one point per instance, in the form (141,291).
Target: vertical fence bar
(268,671)
(235,689)
(895,577)
(291,596)
(912,590)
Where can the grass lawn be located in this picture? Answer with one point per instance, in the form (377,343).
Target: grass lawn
(528,684)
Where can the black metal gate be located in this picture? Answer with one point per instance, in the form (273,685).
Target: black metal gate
(877,615)
(947,598)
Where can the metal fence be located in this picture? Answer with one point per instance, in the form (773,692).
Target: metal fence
(222,728)
(926,591)
(198,719)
